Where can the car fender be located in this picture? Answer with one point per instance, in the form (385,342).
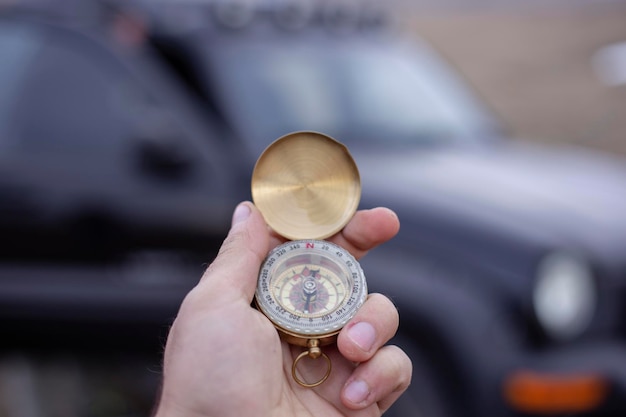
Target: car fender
(465,337)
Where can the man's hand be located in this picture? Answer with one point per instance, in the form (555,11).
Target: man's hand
(224,358)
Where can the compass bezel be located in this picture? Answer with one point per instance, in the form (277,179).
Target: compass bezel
(297,324)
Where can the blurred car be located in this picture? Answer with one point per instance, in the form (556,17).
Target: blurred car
(129,131)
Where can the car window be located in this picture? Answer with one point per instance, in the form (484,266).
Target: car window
(386,92)
(77,94)
(72,98)
(18,46)
(71,94)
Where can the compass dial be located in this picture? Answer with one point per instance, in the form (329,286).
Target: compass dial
(311,292)
(310,287)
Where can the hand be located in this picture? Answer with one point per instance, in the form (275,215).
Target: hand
(224,358)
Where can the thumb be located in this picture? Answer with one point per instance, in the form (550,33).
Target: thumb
(234,272)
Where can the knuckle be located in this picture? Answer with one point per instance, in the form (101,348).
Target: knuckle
(385,309)
(402,367)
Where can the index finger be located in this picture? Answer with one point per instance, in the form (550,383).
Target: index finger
(366,230)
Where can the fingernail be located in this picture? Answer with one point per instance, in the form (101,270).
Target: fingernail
(242,212)
(357,391)
(363,335)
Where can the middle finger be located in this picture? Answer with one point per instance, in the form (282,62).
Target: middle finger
(373,326)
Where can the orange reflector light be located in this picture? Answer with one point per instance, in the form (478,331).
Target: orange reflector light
(542,393)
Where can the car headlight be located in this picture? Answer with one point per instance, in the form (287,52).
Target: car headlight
(564,296)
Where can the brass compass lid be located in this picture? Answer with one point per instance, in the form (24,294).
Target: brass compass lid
(307,186)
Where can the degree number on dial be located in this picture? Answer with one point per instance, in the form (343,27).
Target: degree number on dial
(310,287)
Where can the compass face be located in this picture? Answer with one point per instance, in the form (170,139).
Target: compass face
(310,287)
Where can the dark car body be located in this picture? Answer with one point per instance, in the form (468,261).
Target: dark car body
(128,134)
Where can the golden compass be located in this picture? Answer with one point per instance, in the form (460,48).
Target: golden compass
(308,187)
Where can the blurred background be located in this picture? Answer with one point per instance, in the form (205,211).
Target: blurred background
(86,297)
(539,64)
